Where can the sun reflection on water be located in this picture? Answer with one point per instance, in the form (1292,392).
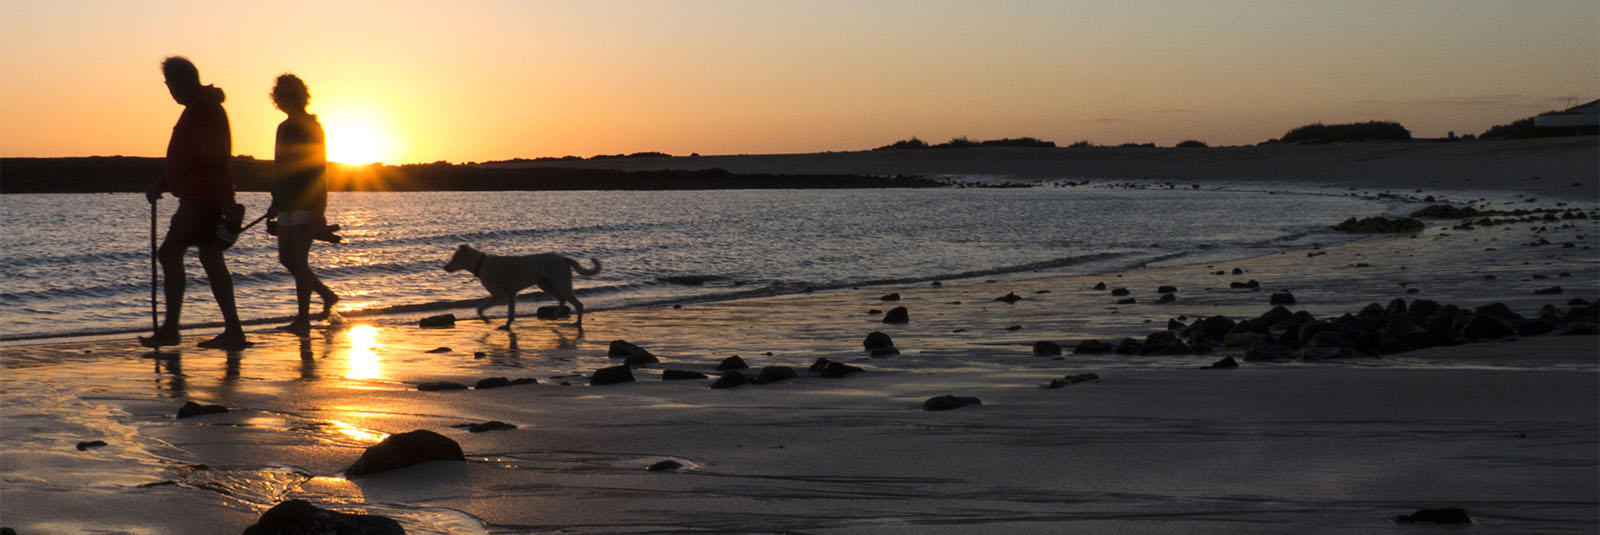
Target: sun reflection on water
(357,433)
(363,357)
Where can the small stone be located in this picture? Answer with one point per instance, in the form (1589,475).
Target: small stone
(873,312)
(732,363)
(490,426)
(1093,347)
(1165,289)
(1225,363)
(948,402)
(440,349)
(773,374)
(1046,348)
(1553,290)
(1100,286)
(876,340)
(479,354)
(84,446)
(1008,298)
(611,375)
(441,321)
(1448,515)
(492,382)
(524,381)
(891,297)
(440,385)
(730,379)
(897,315)
(666,465)
(835,370)
(1237,271)
(1120,292)
(1281,298)
(1167,298)
(191,409)
(1127,301)
(681,375)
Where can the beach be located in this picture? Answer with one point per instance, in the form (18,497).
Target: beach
(1507,428)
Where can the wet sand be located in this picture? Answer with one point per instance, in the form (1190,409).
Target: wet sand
(1508,430)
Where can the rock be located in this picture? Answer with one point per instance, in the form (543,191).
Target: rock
(490,426)
(611,375)
(1215,327)
(1072,380)
(897,315)
(873,312)
(438,386)
(440,349)
(877,340)
(729,379)
(1164,343)
(1269,352)
(1008,298)
(441,321)
(885,352)
(1127,301)
(1486,327)
(552,312)
(1128,346)
(661,466)
(1100,286)
(85,446)
(732,363)
(1046,348)
(1225,363)
(1498,310)
(1448,515)
(835,370)
(640,361)
(891,297)
(298,517)
(1553,290)
(492,382)
(192,409)
(621,349)
(1119,292)
(524,381)
(1093,347)
(1165,289)
(1237,271)
(1379,225)
(405,449)
(948,402)
(773,374)
(1281,298)
(1243,339)
(1167,298)
(681,375)
(1390,346)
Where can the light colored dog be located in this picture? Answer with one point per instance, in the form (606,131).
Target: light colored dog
(504,276)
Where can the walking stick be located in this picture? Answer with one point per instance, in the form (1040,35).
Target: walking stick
(155,324)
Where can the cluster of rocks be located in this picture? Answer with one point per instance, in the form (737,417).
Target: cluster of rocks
(482,384)
(1379,225)
(1167,294)
(1280,334)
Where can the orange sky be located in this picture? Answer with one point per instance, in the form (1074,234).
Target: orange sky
(481,80)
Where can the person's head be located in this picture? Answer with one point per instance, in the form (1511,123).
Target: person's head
(290,94)
(183,80)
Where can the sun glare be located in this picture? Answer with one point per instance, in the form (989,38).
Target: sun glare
(357,140)
(363,357)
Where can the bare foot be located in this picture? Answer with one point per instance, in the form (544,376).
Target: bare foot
(301,327)
(162,337)
(328,300)
(226,340)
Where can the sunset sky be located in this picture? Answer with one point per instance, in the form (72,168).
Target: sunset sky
(400,81)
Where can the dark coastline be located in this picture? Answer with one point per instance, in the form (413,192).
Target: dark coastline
(111,174)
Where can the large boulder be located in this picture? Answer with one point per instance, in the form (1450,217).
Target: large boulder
(298,517)
(405,449)
(611,376)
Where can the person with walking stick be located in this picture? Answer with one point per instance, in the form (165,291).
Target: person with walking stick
(199,174)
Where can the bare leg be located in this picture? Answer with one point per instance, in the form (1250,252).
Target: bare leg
(294,246)
(222,289)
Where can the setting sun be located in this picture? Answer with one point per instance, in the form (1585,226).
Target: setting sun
(357,139)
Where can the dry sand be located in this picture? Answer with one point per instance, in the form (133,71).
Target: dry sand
(1508,430)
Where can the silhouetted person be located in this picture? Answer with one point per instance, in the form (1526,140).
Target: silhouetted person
(299,196)
(199,174)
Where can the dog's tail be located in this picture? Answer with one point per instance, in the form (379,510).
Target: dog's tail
(579,267)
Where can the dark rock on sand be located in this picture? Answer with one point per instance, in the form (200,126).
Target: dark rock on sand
(552,312)
(1100,286)
(1127,301)
(662,466)
(621,349)
(1164,343)
(611,375)
(730,379)
(1214,327)
(85,446)
(1269,352)
(298,517)
(438,322)
(1167,289)
(1119,292)
(485,427)
(492,382)
(1008,298)
(191,409)
(1281,298)
(1379,225)
(405,449)
(891,297)
(1553,290)
(1225,363)
(897,315)
(681,375)
(773,374)
(1167,298)
(1072,380)
(524,381)
(438,386)
(1093,347)
(948,402)
(834,370)
(1127,346)
(1237,271)
(732,363)
(1046,348)
(1448,515)
(877,340)
(640,361)
(440,349)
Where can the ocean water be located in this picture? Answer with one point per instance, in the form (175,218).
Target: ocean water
(79,264)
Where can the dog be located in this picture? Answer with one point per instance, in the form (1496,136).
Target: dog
(504,276)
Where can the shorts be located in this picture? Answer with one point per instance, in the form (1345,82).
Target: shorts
(195,223)
(301,217)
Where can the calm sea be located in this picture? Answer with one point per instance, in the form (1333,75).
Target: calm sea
(77,264)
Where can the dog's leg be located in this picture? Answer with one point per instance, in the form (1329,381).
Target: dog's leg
(511,311)
(577,307)
(495,298)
